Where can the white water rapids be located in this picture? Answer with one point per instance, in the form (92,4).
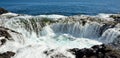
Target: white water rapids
(36,35)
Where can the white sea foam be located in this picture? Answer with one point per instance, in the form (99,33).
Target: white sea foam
(10,14)
(53,16)
(57,36)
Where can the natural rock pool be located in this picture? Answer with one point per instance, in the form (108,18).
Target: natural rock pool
(56,36)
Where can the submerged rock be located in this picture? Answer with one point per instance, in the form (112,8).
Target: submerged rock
(2,11)
(7,54)
(97,51)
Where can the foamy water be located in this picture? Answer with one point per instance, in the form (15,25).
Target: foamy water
(35,38)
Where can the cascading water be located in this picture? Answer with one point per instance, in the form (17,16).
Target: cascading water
(37,34)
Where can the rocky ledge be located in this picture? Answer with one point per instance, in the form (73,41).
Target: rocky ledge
(2,11)
(4,36)
(96,51)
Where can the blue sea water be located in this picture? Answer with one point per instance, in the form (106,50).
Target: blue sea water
(62,7)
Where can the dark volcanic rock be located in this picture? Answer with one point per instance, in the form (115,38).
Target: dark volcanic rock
(59,55)
(6,36)
(7,54)
(97,51)
(3,11)
(48,52)
(3,41)
(116,17)
(105,27)
(53,54)
(4,33)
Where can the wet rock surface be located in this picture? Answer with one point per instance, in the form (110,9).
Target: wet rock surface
(53,54)
(4,36)
(97,51)
(7,54)
(3,41)
(2,11)
(4,33)
(116,17)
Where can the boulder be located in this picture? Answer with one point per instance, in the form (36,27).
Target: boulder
(2,11)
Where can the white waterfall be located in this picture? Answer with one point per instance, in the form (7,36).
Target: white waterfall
(36,36)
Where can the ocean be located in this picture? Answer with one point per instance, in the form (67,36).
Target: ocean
(53,28)
(61,7)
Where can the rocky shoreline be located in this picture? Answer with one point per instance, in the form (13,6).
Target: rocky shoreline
(4,36)
(96,51)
